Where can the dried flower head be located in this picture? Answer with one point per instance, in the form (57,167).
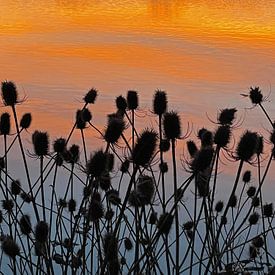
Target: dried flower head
(25,121)
(247,146)
(59,145)
(25,225)
(86,115)
(5,124)
(165,223)
(114,129)
(253,218)
(72,205)
(128,244)
(222,136)
(96,165)
(10,247)
(233,201)
(132,100)
(15,187)
(227,116)
(192,148)
(160,102)
(41,232)
(255,95)
(125,166)
(8,205)
(40,142)
(9,93)
(202,159)
(90,97)
(164,145)
(80,123)
(258,242)
(251,191)
(219,206)
(268,210)
(172,125)
(95,211)
(247,176)
(121,103)
(144,148)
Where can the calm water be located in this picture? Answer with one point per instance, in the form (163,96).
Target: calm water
(203,53)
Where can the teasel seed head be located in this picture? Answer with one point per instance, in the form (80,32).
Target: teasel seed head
(227,116)
(219,206)
(121,103)
(128,244)
(251,191)
(247,176)
(96,165)
(91,96)
(5,124)
(40,142)
(59,145)
(8,205)
(253,218)
(135,199)
(188,225)
(247,146)
(72,205)
(25,225)
(25,121)
(113,197)
(10,247)
(163,167)
(233,201)
(105,181)
(80,123)
(114,129)
(15,187)
(132,100)
(222,136)
(253,252)
(255,95)
(95,211)
(86,115)
(153,218)
(192,148)
(171,125)
(26,197)
(258,242)
(74,154)
(144,148)
(9,93)
(165,223)
(255,202)
(41,232)
(268,210)
(164,145)
(206,139)
(62,203)
(202,159)
(125,166)
(160,102)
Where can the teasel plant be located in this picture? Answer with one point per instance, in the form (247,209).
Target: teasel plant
(117,209)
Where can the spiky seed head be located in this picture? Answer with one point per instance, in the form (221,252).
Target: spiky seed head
(165,223)
(26,197)
(247,176)
(5,124)
(125,166)
(41,232)
(128,244)
(253,252)
(160,102)
(96,165)
(188,225)
(172,125)
(121,103)
(40,142)
(255,95)
(8,205)
(268,210)
(58,259)
(95,211)
(202,159)
(201,132)
(25,121)
(105,181)
(10,247)
(222,136)
(144,148)
(9,93)
(15,187)
(80,123)
(233,201)
(25,225)
(219,206)
(253,218)
(251,191)
(153,218)
(72,205)
(206,138)
(59,145)
(109,214)
(114,129)
(227,116)
(113,197)
(258,242)
(192,148)
(86,115)
(74,153)
(164,145)
(132,100)
(62,203)
(247,146)
(146,188)
(135,199)
(255,202)
(91,96)
(163,167)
